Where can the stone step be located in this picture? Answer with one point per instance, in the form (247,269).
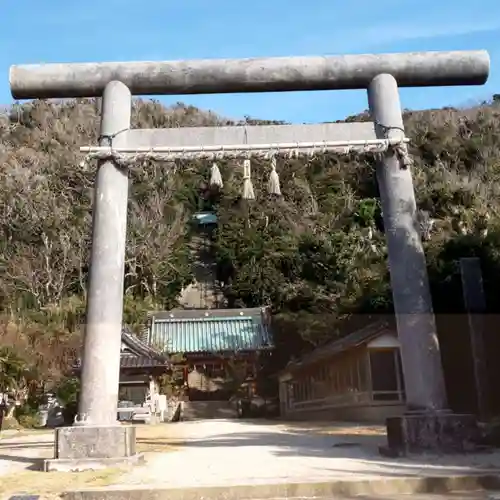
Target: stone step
(202,410)
(422,487)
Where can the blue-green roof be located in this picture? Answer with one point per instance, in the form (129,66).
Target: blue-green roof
(205,218)
(212,334)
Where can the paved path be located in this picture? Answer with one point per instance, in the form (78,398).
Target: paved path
(231,452)
(20,451)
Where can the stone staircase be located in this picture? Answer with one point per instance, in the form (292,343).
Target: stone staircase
(205,410)
(203,293)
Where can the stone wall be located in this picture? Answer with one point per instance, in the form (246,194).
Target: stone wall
(372,413)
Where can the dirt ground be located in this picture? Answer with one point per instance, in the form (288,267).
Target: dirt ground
(277,452)
(230,452)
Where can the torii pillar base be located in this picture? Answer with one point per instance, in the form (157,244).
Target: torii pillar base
(440,432)
(85,447)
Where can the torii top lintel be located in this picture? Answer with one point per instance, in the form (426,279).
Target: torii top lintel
(277,74)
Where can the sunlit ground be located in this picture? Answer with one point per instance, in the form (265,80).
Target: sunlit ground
(150,439)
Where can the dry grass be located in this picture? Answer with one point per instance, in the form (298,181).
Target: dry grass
(21,432)
(158,438)
(357,431)
(155,446)
(338,429)
(53,483)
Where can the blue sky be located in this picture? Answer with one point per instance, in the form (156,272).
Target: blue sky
(114,30)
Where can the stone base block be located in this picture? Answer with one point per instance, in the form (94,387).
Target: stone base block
(431,432)
(89,447)
(81,464)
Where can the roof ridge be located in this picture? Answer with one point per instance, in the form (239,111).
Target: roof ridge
(216,318)
(202,313)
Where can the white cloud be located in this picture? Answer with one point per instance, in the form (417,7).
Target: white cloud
(370,38)
(402,32)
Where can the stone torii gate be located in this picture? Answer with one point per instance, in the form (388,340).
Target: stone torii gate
(96,438)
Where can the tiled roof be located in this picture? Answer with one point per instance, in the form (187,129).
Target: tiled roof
(205,218)
(139,347)
(210,331)
(138,354)
(128,361)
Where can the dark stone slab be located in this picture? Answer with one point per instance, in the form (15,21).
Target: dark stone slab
(441,432)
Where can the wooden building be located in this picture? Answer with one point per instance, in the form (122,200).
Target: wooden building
(357,378)
(212,343)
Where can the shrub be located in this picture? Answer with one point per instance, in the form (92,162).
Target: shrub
(29,421)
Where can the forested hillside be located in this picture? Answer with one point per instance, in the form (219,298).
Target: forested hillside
(316,255)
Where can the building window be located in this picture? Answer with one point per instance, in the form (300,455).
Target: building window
(355,382)
(363,374)
(133,393)
(300,391)
(336,382)
(290,396)
(386,374)
(215,370)
(344,376)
